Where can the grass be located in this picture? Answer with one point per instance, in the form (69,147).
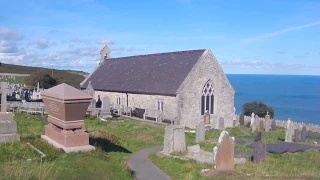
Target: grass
(73,78)
(304,165)
(114,143)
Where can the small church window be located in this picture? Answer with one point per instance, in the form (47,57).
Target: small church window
(118,100)
(160,105)
(207,98)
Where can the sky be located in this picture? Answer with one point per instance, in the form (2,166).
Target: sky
(246,37)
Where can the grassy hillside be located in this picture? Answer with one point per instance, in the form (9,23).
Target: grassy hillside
(73,78)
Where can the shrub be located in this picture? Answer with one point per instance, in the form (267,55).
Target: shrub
(259,108)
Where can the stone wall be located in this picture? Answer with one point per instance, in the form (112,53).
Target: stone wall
(283,124)
(189,93)
(143,101)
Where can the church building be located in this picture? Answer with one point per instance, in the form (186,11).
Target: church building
(182,85)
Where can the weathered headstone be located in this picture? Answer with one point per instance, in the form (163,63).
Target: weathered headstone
(207,118)
(258,137)
(304,134)
(221,123)
(252,119)
(273,125)
(200,132)
(267,122)
(4,96)
(8,127)
(174,139)
(223,153)
(297,136)
(260,152)
(241,120)
(66,107)
(261,125)
(289,131)
(105,109)
(214,122)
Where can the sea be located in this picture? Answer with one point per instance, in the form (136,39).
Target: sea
(292,96)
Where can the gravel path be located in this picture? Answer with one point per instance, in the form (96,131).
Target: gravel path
(142,166)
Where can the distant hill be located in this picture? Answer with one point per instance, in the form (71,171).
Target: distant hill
(71,77)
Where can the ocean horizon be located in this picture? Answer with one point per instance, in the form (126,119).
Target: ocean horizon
(292,96)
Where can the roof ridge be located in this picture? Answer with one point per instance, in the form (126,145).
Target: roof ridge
(172,52)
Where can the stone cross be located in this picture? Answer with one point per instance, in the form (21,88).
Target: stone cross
(200,132)
(304,134)
(207,118)
(223,152)
(241,121)
(174,139)
(4,97)
(252,119)
(267,122)
(289,131)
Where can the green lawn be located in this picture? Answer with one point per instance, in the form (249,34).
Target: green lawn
(305,165)
(114,143)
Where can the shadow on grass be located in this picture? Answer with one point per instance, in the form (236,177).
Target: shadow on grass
(106,145)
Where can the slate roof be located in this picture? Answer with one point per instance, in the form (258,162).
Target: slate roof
(159,74)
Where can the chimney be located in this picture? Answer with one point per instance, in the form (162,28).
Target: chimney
(104,54)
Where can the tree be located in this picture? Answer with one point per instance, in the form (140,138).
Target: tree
(41,76)
(258,108)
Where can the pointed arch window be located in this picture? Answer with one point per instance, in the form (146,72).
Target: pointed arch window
(207,98)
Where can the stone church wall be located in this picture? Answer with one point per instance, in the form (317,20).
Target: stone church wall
(144,101)
(189,93)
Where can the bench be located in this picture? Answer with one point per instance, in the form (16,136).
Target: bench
(158,115)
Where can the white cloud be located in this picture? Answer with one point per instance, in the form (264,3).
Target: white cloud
(77,40)
(105,42)
(87,51)
(10,34)
(269,35)
(6,47)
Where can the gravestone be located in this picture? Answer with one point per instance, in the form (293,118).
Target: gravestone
(174,139)
(259,151)
(253,125)
(221,123)
(289,131)
(8,127)
(223,153)
(252,119)
(267,122)
(66,107)
(297,136)
(304,134)
(258,137)
(273,125)
(214,122)
(241,121)
(93,103)
(105,109)
(207,118)
(4,96)
(261,125)
(200,132)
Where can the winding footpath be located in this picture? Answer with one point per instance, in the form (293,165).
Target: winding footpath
(143,167)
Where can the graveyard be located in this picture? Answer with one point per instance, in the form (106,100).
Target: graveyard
(68,143)
(118,138)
